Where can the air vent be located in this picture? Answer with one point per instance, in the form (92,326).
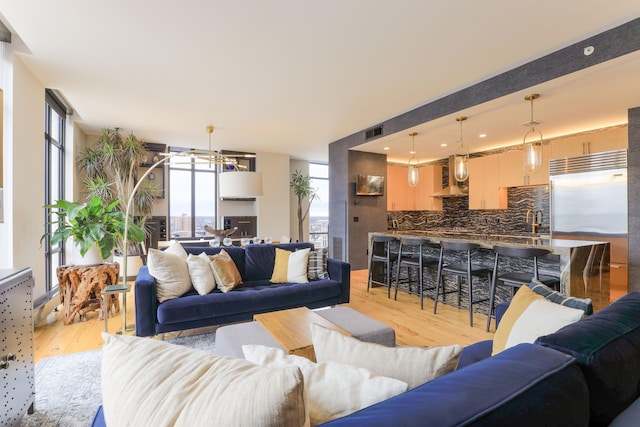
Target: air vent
(373,132)
(590,162)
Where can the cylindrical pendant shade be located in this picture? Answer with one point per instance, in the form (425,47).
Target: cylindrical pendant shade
(532,151)
(240,184)
(414,175)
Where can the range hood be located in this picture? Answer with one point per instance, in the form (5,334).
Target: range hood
(454,188)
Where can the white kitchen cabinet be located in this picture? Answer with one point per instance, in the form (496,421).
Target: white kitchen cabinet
(402,197)
(430,182)
(484,183)
(512,173)
(577,145)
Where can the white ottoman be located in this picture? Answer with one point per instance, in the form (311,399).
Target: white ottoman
(231,338)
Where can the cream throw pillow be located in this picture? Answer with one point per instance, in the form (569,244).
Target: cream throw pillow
(146,382)
(413,365)
(291,267)
(530,316)
(169,268)
(201,273)
(225,271)
(332,389)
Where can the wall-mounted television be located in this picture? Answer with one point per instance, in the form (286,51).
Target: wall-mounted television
(370,185)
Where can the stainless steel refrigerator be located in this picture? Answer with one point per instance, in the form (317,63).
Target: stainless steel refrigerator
(589,202)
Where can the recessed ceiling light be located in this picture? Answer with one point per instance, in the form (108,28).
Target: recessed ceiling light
(443,144)
(412,152)
(386,148)
(482,135)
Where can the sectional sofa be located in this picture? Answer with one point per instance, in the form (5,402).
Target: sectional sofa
(586,374)
(257,294)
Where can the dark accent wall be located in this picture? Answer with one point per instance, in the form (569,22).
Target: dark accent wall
(609,45)
(366,213)
(633,164)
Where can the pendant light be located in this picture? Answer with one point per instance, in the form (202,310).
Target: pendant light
(414,171)
(532,142)
(461,158)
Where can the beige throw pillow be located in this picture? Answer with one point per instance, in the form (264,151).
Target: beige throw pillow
(171,273)
(413,365)
(201,273)
(146,382)
(332,390)
(225,271)
(290,267)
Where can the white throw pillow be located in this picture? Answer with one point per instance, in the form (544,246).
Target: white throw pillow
(171,273)
(176,248)
(413,365)
(201,273)
(530,316)
(332,389)
(146,382)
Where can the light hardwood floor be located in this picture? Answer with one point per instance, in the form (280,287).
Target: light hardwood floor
(412,325)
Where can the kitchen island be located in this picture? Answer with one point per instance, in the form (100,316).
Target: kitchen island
(582,266)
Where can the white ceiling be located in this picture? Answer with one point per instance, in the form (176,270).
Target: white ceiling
(289,76)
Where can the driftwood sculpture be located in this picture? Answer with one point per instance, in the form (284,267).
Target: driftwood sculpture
(81,289)
(220,234)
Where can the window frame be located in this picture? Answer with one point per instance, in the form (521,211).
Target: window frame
(53,255)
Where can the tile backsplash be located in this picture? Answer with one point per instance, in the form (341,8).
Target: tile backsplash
(455,214)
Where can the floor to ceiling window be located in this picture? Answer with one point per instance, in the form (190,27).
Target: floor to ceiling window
(192,197)
(319,211)
(54,145)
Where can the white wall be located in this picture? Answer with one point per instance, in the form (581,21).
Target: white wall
(24,174)
(273,206)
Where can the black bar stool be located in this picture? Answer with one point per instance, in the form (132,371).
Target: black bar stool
(381,254)
(412,255)
(460,269)
(515,279)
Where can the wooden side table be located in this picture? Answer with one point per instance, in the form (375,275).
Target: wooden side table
(81,288)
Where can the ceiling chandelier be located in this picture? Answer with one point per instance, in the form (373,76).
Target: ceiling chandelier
(533,147)
(461,158)
(414,171)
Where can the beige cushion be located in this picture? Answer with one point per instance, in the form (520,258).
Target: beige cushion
(530,316)
(201,273)
(146,382)
(413,365)
(332,390)
(170,271)
(225,271)
(290,267)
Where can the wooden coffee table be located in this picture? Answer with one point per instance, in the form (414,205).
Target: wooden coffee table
(292,329)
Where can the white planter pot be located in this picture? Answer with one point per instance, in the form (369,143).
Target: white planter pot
(134,262)
(92,256)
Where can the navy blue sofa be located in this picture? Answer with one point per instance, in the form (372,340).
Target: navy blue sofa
(256,295)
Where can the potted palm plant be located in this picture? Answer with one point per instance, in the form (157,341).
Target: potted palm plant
(94,227)
(111,173)
(302,189)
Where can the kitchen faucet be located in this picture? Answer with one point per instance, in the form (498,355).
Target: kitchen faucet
(536,219)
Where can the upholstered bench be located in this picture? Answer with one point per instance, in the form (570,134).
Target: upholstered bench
(231,338)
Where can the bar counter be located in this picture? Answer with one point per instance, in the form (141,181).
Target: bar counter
(582,266)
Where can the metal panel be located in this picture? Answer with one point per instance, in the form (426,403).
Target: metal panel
(616,159)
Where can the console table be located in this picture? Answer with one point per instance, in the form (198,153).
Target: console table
(81,289)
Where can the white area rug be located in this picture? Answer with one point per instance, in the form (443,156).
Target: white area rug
(68,390)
